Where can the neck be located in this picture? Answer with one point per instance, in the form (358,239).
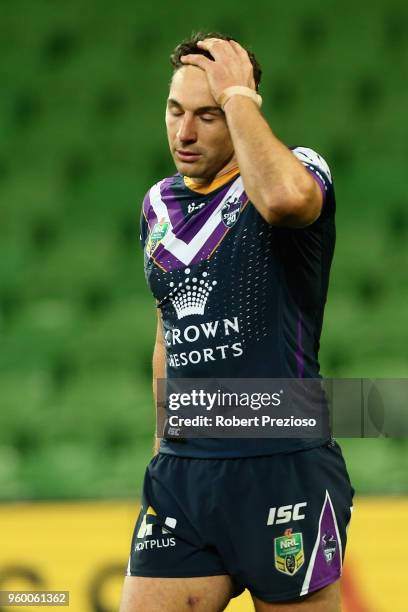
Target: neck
(232,164)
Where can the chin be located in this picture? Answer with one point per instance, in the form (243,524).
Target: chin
(189,171)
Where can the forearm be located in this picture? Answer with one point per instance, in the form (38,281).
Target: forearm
(156,445)
(275,181)
(159,373)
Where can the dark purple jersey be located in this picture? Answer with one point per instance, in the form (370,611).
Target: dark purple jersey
(239,298)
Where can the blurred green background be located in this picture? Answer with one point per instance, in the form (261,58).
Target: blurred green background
(83,89)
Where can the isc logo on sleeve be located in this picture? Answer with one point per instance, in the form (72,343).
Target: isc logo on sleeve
(284,514)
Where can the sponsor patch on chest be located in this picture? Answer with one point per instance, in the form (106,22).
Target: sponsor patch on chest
(230,211)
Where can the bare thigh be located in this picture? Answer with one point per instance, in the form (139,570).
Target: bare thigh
(203,594)
(324,600)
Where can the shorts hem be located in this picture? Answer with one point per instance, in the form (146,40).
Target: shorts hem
(316,442)
(293,595)
(143,574)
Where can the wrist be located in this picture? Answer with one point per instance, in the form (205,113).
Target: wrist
(235,104)
(241,92)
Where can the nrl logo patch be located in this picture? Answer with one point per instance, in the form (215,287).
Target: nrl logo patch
(230,211)
(157,234)
(329,545)
(289,554)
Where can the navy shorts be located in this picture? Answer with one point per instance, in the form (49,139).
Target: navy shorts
(276,524)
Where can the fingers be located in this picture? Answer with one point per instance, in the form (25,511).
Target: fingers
(230,60)
(196,60)
(217,47)
(238,49)
(243,54)
(213,47)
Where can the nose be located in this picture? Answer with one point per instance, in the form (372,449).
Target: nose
(187,132)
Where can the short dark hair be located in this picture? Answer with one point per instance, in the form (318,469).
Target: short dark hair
(189,45)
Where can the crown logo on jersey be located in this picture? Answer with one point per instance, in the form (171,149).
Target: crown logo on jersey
(190,297)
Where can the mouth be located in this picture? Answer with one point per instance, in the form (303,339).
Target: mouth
(187,156)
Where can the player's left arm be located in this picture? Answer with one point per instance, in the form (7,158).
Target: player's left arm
(276,182)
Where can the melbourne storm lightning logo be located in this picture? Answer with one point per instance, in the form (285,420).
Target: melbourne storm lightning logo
(230,211)
(329,546)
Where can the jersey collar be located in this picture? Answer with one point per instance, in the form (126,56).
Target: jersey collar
(219,181)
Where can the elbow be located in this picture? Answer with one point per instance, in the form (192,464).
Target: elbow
(294,209)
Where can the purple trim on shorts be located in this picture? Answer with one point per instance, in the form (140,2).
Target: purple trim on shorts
(299,350)
(326,571)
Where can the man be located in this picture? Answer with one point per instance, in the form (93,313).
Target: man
(238,246)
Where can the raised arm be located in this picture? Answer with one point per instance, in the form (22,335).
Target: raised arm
(275,181)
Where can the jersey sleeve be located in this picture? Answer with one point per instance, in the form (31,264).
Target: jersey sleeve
(144,230)
(318,168)
(307,251)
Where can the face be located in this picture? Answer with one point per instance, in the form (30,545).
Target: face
(197,131)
